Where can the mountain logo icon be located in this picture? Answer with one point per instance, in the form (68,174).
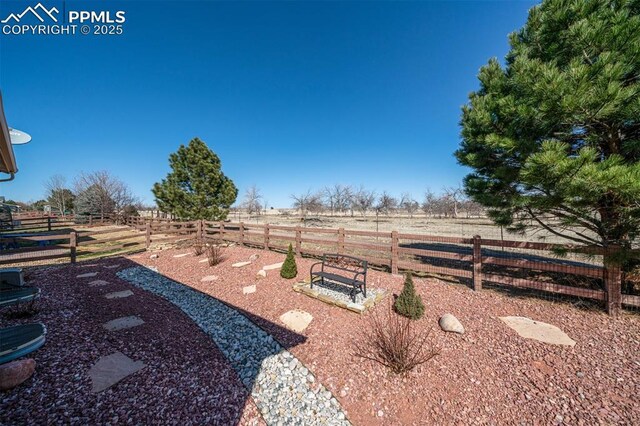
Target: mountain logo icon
(38,11)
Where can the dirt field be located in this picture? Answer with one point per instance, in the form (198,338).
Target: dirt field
(420,224)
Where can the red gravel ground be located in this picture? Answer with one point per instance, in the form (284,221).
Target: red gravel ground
(489,375)
(186,380)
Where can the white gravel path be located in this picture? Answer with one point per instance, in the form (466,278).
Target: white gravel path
(283,389)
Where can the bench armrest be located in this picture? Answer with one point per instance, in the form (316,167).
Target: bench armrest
(312,266)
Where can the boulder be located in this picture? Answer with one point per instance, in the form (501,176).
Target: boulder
(451,324)
(16,372)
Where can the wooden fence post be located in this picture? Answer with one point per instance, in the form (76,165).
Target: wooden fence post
(341,241)
(199,229)
(73,244)
(48,223)
(266,236)
(394,252)
(241,238)
(90,220)
(221,231)
(477,262)
(298,241)
(148,234)
(613,282)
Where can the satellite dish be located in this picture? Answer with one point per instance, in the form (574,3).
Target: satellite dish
(19,137)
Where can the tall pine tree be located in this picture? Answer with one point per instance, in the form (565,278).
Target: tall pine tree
(196,188)
(553,137)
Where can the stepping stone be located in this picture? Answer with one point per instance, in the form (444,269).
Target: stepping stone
(123,323)
(297,320)
(87,275)
(240,264)
(98,283)
(261,274)
(181,255)
(540,331)
(209,278)
(110,369)
(119,294)
(249,289)
(273,266)
(111,266)
(203,260)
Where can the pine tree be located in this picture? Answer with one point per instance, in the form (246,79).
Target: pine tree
(289,269)
(554,136)
(409,303)
(196,188)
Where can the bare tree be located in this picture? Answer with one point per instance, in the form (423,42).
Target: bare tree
(58,194)
(409,204)
(363,200)
(252,200)
(338,198)
(386,203)
(307,202)
(455,196)
(429,203)
(102,193)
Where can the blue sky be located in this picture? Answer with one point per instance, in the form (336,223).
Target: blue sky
(292,96)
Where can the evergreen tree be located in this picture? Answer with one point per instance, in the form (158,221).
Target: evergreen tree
(409,303)
(289,269)
(553,138)
(196,188)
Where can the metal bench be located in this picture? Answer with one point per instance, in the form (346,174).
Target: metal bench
(343,269)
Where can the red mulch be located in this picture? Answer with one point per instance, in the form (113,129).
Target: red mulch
(488,375)
(187,380)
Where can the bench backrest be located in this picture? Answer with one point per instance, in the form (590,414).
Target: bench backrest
(344,263)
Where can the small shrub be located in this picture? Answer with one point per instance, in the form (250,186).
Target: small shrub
(393,341)
(198,246)
(289,269)
(409,303)
(215,254)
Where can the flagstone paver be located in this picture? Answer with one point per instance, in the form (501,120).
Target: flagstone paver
(296,320)
(249,289)
(119,294)
(181,255)
(209,278)
(272,266)
(98,283)
(111,266)
(87,275)
(110,369)
(123,323)
(203,260)
(540,331)
(241,264)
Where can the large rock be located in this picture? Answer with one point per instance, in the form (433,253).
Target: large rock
(16,372)
(540,331)
(451,324)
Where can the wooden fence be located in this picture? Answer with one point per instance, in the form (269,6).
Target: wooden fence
(525,265)
(481,262)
